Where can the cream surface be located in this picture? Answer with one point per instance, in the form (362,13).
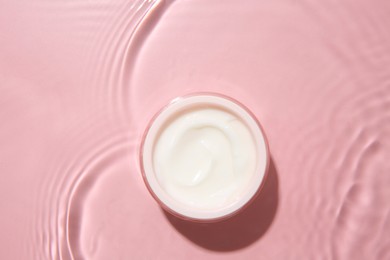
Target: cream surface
(205,158)
(80,80)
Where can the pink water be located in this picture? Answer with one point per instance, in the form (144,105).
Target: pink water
(79,81)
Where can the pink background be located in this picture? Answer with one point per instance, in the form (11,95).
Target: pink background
(80,80)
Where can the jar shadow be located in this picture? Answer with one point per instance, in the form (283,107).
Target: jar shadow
(240,230)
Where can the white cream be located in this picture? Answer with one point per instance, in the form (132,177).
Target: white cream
(204,157)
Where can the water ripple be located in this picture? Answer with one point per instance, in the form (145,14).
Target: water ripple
(84,78)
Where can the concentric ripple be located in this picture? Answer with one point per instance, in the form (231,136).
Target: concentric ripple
(80,80)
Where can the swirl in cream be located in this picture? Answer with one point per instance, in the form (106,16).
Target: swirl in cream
(205,157)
